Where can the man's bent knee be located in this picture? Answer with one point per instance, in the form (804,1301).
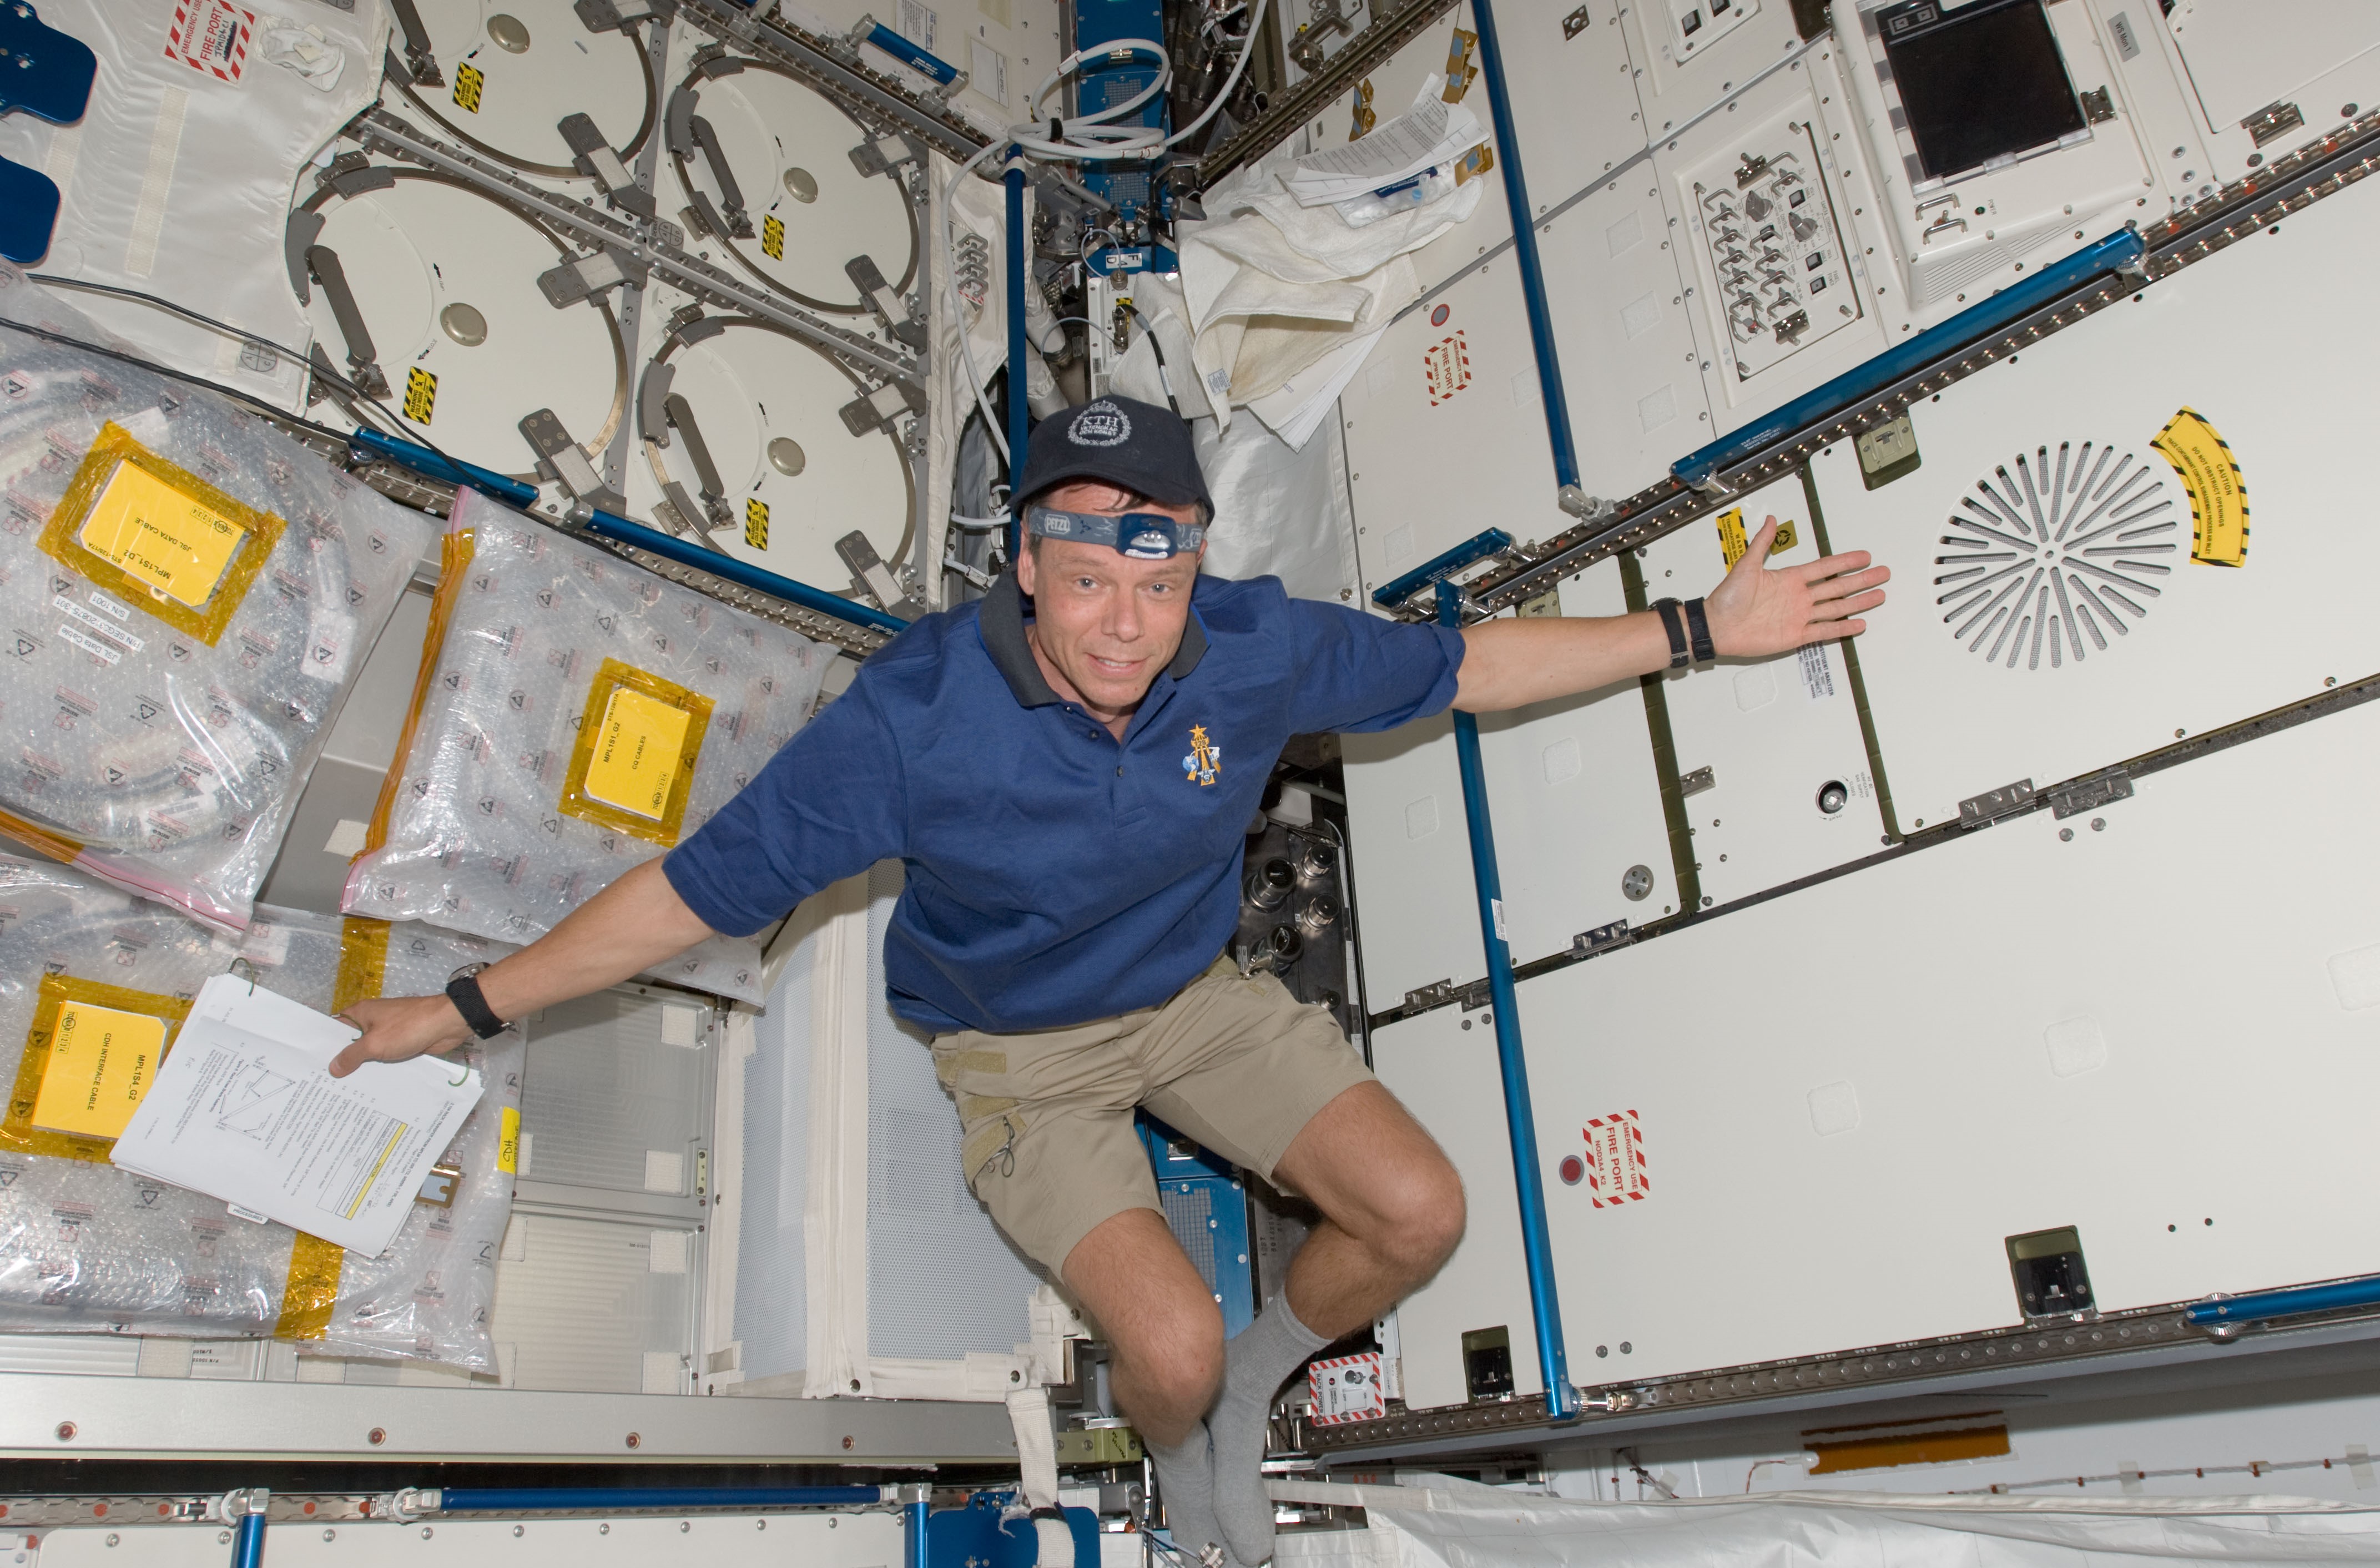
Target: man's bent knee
(1427,1213)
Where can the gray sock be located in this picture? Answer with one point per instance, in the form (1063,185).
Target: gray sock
(1186,1481)
(1254,1364)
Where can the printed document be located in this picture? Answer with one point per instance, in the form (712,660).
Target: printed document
(244,1110)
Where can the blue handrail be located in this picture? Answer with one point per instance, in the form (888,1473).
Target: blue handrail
(1524,247)
(604,525)
(913,55)
(1520,1120)
(530,1500)
(2259,1306)
(446,470)
(1865,381)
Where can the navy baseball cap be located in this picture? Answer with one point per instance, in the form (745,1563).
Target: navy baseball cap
(1119,441)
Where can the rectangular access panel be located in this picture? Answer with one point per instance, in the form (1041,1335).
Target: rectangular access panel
(1817,1125)
(2062,599)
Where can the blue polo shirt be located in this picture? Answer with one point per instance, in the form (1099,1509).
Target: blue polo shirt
(1055,874)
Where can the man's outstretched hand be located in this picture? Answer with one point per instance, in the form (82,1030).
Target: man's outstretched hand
(1757,612)
(399,1028)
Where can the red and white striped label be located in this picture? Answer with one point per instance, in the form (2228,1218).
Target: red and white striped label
(1348,1388)
(212,36)
(1446,368)
(1615,1160)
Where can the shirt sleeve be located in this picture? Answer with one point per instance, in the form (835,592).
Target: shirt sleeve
(830,804)
(1356,672)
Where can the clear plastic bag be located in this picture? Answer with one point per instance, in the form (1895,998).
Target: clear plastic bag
(85,1246)
(575,716)
(189,595)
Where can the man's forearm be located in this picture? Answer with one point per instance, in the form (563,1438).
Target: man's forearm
(1511,663)
(636,923)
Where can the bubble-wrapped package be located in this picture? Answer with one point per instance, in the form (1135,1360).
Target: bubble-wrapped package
(188,596)
(86,1246)
(575,716)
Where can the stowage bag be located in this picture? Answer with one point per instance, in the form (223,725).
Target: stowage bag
(186,596)
(575,715)
(93,987)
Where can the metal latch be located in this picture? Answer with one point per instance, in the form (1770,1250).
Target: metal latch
(2272,122)
(1696,781)
(2098,106)
(2078,795)
(1980,810)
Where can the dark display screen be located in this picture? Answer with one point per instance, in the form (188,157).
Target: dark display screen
(1980,82)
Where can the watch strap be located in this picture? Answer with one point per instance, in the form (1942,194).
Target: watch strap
(463,991)
(1698,630)
(1674,624)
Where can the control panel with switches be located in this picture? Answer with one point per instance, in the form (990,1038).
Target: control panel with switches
(1776,253)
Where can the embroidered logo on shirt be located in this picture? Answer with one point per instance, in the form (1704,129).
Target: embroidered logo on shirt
(1205,763)
(1100,424)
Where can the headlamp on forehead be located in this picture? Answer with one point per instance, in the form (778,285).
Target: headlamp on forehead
(1144,536)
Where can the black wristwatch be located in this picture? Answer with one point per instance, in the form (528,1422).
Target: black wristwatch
(463,991)
(1674,624)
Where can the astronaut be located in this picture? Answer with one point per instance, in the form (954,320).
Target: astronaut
(1066,768)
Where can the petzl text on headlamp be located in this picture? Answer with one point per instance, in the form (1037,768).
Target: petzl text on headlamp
(1145,536)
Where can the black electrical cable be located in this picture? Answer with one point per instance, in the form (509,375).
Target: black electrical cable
(397,426)
(1157,348)
(143,362)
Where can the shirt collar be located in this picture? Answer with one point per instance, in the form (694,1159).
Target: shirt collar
(1002,622)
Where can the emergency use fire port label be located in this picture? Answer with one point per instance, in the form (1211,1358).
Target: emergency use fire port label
(1446,368)
(1615,1160)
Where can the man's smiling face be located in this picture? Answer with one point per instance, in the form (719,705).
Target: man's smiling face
(1105,623)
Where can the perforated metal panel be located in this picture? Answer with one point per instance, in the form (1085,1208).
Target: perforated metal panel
(595,1306)
(608,1102)
(771,1270)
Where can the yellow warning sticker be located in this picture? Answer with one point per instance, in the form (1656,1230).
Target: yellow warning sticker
(508,1140)
(2219,496)
(420,395)
(637,753)
(773,239)
(1733,541)
(173,543)
(102,1061)
(755,523)
(469,79)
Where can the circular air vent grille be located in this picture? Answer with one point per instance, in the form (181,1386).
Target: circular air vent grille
(2053,551)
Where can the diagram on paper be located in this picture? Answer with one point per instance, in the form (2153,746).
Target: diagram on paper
(252,1101)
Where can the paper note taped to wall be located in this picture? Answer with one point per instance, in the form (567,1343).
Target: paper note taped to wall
(2219,496)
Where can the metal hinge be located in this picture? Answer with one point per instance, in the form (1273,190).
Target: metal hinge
(1696,781)
(2272,121)
(1436,993)
(1979,811)
(1616,934)
(2098,106)
(2088,794)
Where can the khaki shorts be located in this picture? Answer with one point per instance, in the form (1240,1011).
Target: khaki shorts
(1049,1147)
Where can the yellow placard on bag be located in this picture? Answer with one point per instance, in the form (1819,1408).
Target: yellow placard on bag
(159,535)
(91,1055)
(633,767)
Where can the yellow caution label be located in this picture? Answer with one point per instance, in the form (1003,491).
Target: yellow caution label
(1733,541)
(755,523)
(1473,163)
(102,1061)
(420,395)
(2219,496)
(1460,72)
(773,239)
(509,1141)
(469,79)
(172,543)
(638,753)
(1365,118)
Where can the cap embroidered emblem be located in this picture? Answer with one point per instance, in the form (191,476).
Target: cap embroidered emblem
(1100,424)
(1205,762)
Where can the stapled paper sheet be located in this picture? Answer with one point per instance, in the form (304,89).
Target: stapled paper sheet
(244,1110)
